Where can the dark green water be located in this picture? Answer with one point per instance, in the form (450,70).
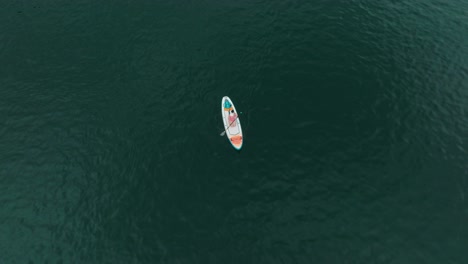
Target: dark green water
(355,117)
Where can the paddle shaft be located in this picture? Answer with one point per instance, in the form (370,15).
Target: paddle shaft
(222,133)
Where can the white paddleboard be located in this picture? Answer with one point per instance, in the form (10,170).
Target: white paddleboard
(231,123)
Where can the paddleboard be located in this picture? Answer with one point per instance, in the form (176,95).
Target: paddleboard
(231,123)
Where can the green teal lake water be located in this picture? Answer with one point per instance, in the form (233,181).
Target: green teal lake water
(354,113)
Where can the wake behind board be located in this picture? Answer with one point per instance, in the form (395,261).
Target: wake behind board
(231,123)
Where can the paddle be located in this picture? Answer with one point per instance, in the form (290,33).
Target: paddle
(224,132)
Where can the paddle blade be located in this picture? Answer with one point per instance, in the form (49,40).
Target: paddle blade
(223,133)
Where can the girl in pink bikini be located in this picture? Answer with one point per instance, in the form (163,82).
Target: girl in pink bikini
(232,118)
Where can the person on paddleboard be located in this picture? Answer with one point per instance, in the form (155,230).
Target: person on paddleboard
(232,118)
